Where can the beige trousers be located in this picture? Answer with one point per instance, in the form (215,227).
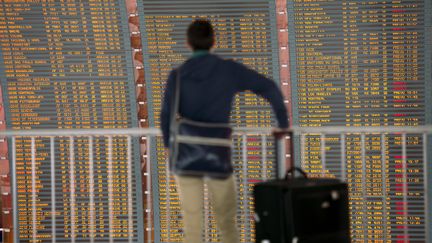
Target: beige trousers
(223,199)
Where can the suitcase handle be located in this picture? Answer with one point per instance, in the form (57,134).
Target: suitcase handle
(278,135)
(290,173)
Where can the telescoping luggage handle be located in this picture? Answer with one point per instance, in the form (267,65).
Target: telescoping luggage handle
(290,172)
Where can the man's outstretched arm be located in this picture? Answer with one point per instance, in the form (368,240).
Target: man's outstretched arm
(249,79)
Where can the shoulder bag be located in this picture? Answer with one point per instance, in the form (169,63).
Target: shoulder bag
(198,148)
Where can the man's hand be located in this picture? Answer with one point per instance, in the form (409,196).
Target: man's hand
(279,133)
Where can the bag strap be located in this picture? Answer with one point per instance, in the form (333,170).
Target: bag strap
(177,94)
(176,101)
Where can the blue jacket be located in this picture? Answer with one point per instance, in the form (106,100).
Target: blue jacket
(208,87)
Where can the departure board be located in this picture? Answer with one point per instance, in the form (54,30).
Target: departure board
(68,64)
(71,64)
(366,63)
(245,32)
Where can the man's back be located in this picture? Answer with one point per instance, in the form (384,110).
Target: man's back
(208,86)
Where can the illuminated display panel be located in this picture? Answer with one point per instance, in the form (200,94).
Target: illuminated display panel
(362,63)
(246,32)
(67,64)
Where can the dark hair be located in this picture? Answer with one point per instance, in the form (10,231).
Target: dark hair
(200,35)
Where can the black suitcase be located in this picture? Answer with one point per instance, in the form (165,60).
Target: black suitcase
(300,210)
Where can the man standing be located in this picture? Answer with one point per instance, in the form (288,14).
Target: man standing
(208,87)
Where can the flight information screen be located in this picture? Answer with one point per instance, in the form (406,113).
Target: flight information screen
(68,64)
(366,63)
(71,64)
(245,32)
